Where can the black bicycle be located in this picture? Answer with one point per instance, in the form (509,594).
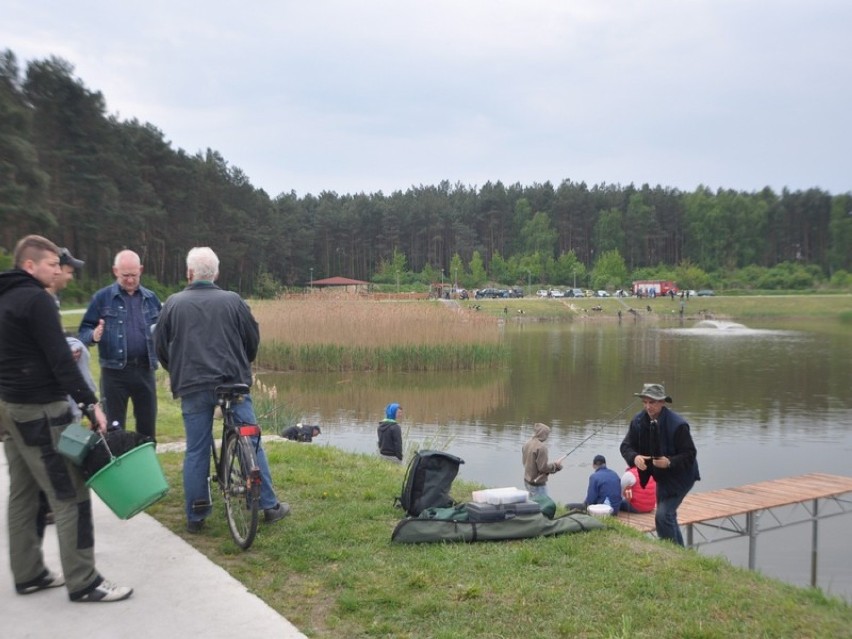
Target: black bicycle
(236,470)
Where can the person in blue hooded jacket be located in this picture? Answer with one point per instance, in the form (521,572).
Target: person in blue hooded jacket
(390,434)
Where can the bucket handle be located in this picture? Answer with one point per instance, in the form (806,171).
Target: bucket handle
(90,414)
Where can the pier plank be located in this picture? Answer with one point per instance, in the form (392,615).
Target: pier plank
(728,502)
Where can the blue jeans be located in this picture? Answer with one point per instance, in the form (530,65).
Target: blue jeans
(535,490)
(666,518)
(197,409)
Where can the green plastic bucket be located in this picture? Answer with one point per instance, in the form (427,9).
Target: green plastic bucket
(132,482)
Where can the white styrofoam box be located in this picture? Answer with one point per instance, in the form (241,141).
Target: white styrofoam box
(497,496)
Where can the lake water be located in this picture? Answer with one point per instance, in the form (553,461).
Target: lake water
(763,401)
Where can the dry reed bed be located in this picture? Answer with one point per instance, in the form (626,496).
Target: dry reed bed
(366,323)
(360,335)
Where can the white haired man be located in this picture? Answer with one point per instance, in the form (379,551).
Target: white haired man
(207,337)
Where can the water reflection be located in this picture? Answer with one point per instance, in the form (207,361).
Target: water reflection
(764,402)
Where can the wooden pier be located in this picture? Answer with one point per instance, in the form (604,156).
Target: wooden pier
(728,513)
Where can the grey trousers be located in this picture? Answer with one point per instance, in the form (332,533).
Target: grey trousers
(33,432)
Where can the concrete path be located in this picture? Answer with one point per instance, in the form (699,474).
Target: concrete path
(178,592)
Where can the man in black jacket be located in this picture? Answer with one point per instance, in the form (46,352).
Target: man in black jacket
(207,337)
(659,444)
(37,373)
(301,433)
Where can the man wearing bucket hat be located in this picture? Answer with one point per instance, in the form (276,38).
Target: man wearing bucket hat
(37,372)
(659,444)
(206,337)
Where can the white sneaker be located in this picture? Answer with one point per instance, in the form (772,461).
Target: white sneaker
(107,591)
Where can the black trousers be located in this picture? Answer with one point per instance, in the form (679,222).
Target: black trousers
(136,383)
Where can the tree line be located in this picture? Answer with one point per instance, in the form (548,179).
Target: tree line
(97,184)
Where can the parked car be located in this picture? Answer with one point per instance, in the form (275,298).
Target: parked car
(490,293)
(555,292)
(601,294)
(575,292)
(706,292)
(516,292)
(543,293)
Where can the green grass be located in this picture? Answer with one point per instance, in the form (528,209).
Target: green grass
(330,569)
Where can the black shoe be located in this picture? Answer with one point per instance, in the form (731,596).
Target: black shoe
(195,526)
(271,515)
(47,580)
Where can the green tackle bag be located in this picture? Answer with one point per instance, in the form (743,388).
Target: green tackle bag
(427,481)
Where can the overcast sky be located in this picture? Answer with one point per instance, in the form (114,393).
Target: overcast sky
(367,96)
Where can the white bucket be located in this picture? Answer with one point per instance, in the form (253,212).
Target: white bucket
(600,510)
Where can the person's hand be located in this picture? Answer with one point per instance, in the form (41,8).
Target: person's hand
(76,353)
(557,466)
(98,332)
(628,493)
(641,462)
(662,462)
(100,423)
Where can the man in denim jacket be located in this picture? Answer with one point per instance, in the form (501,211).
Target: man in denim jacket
(120,319)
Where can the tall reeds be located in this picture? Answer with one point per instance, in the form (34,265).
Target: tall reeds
(342,335)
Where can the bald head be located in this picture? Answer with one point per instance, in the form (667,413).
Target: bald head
(127,269)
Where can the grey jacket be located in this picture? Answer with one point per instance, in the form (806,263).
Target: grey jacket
(205,337)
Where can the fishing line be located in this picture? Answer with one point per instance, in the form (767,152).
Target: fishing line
(598,430)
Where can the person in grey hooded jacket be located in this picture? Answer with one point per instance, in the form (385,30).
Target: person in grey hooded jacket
(536,467)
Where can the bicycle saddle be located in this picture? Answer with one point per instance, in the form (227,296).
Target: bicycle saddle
(232,390)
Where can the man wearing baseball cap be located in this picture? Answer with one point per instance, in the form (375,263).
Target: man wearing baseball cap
(68,263)
(604,487)
(659,444)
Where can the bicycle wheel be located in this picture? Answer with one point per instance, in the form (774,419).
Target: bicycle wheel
(241,489)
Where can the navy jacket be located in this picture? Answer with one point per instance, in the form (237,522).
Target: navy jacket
(604,484)
(670,438)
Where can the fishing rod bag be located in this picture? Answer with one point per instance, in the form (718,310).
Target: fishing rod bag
(461,529)
(427,481)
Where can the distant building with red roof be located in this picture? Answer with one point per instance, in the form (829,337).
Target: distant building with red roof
(341,283)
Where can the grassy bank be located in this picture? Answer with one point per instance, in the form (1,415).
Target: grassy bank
(330,568)
(746,307)
(832,308)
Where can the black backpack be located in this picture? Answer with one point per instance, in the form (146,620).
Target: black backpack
(427,481)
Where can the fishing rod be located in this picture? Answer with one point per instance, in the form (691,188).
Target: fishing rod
(597,430)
